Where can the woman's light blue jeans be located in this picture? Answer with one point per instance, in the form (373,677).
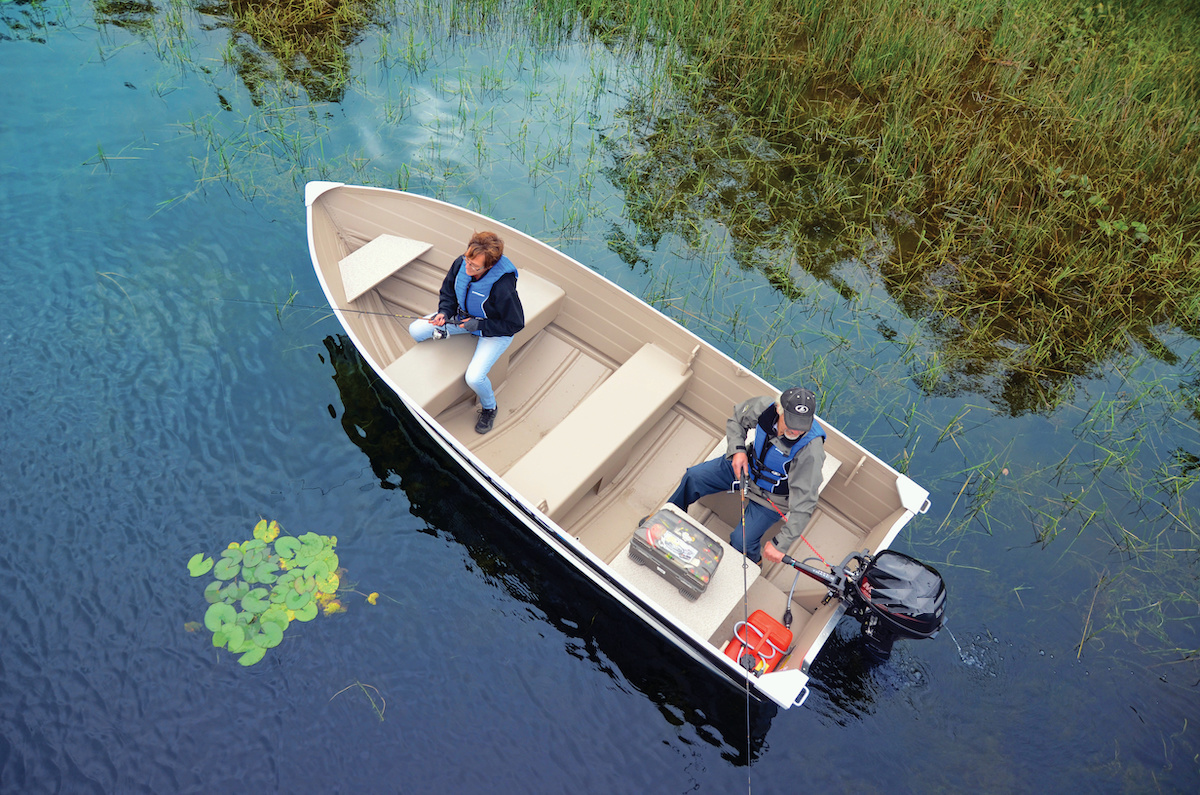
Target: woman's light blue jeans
(487,351)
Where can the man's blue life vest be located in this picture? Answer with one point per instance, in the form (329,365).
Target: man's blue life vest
(472,294)
(768,465)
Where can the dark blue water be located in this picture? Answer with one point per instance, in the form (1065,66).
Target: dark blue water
(146,416)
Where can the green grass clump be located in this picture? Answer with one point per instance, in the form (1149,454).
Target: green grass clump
(1038,164)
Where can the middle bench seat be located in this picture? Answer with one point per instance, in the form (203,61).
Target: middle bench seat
(593,442)
(433,373)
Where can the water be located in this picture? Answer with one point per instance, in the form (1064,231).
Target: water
(144,417)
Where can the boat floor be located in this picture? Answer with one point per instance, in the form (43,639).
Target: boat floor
(546,379)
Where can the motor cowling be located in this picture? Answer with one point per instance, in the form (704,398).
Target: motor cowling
(904,595)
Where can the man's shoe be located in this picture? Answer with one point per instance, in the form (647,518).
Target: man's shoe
(486,418)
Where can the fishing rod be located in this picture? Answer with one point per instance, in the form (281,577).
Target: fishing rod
(277,305)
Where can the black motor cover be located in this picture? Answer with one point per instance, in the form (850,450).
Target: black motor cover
(907,595)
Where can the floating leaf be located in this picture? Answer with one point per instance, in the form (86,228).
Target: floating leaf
(253,655)
(200,564)
(275,615)
(253,558)
(256,543)
(265,572)
(318,570)
(287,546)
(220,639)
(260,529)
(332,606)
(307,613)
(329,584)
(192,626)
(227,569)
(297,600)
(232,553)
(237,637)
(212,594)
(373,598)
(270,636)
(248,573)
(255,601)
(219,615)
(272,531)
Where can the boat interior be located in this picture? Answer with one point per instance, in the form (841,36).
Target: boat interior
(602,405)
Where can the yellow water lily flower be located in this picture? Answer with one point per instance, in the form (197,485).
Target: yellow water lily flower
(373,598)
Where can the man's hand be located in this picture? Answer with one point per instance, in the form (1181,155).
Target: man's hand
(741,464)
(438,320)
(772,552)
(470,324)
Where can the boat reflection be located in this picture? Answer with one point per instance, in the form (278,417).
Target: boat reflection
(453,506)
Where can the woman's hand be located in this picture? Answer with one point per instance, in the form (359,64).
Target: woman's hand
(469,324)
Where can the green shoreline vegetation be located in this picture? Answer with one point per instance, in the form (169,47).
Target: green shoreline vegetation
(1022,178)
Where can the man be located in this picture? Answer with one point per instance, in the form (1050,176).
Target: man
(779,448)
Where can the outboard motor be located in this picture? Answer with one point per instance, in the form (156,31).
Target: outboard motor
(892,595)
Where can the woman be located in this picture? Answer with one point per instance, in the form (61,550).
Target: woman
(479,297)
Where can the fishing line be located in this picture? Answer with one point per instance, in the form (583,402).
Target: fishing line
(278,305)
(745,628)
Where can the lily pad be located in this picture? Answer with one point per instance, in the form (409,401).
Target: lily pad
(318,569)
(200,564)
(329,584)
(295,601)
(253,558)
(219,615)
(212,594)
(270,637)
(256,601)
(287,546)
(227,569)
(220,639)
(232,553)
(254,543)
(237,637)
(275,615)
(260,529)
(307,613)
(253,655)
(265,572)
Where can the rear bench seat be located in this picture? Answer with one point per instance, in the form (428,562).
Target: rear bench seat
(593,442)
(432,373)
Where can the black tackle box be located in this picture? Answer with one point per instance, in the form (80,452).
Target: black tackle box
(672,544)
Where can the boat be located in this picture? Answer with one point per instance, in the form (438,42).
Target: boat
(603,403)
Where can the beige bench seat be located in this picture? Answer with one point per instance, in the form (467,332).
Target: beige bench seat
(432,373)
(366,267)
(592,443)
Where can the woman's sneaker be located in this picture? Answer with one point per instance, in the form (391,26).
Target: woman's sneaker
(486,418)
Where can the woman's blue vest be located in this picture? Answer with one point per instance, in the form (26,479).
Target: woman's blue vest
(472,294)
(769,464)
